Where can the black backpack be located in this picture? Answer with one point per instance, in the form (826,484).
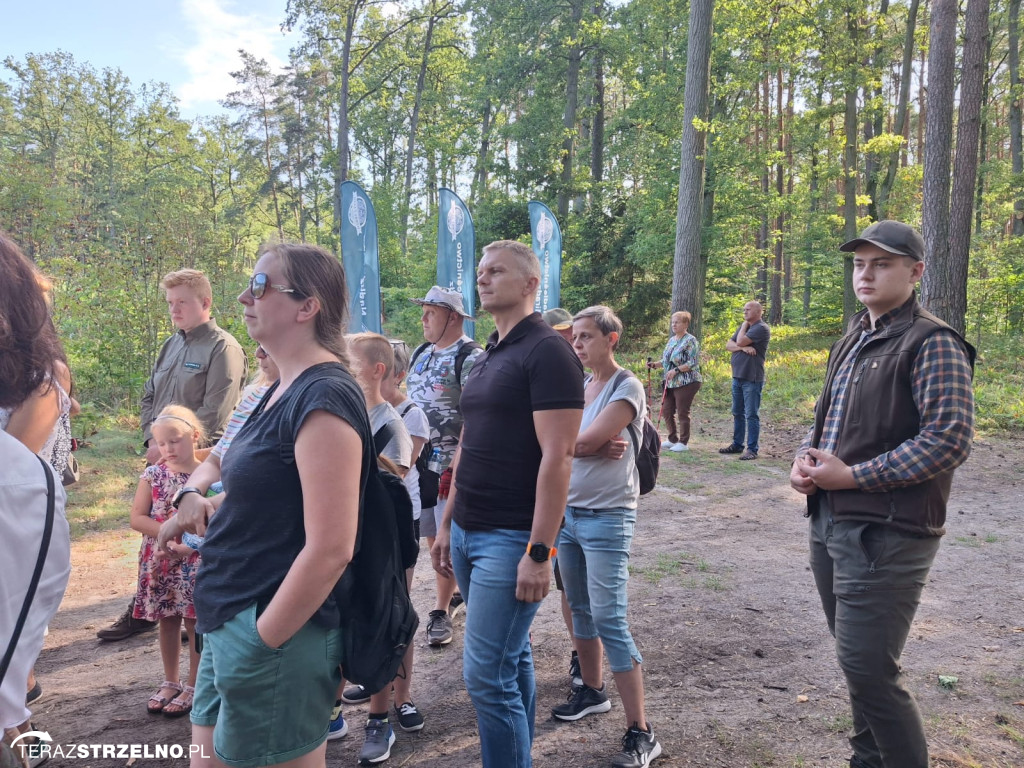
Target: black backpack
(429,481)
(646,449)
(378,621)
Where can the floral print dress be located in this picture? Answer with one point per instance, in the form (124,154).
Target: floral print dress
(165,585)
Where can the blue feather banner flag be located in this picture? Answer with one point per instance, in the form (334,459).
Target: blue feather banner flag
(359,254)
(547,244)
(456,249)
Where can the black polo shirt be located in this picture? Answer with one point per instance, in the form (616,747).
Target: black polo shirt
(531,369)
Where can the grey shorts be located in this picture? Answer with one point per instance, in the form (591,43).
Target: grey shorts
(430,519)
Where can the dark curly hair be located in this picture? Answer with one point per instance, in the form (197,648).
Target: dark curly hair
(29,348)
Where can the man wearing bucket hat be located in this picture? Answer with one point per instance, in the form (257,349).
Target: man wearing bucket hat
(437,370)
(894,419)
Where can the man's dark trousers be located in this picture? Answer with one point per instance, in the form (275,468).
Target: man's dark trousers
(869,577)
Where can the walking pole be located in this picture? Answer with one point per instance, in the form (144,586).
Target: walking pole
(650,390)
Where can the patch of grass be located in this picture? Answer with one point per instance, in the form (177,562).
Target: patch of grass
(703,565)
(666,565)
(714,583)
(968,541)
(991,538)
(1012,733)
(840,724)
(101,499)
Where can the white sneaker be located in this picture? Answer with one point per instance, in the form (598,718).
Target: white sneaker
(679,447)
(667,444)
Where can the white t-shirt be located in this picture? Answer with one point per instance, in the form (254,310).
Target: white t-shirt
(22,517)
(600,483)
(416,422)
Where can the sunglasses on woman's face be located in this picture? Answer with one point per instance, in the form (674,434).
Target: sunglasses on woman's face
(259,283)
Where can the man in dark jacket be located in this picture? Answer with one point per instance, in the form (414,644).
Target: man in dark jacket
(894,419)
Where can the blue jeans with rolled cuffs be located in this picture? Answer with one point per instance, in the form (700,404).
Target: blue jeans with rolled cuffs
(593,558)
(497,661)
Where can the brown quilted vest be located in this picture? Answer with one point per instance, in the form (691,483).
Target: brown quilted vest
(879,414)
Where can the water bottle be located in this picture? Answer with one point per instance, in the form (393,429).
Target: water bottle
(434,465)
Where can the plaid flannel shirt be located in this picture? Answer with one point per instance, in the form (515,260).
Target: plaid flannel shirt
(942,391)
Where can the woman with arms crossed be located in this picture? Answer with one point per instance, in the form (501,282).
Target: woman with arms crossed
(593,548)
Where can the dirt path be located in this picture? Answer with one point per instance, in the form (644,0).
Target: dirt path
(723,608)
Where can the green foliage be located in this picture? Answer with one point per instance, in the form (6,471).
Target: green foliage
(104,184)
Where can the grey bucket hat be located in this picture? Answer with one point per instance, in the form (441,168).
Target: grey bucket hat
(444,297)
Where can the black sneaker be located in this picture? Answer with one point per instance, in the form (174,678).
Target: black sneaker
(355,694)
(456,604)
(639,748)
(439,628)
(377,744)
(125,626)
(575,675)
(582,702)
(409,718)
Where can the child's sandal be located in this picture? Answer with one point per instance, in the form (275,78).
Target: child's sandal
(182,703)
(158,701)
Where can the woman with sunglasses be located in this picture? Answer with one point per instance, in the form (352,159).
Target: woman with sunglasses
(277,545)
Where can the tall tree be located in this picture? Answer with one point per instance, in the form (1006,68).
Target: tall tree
(1016,93)
(850,162)
(950,301)
(689,268)
(936,289)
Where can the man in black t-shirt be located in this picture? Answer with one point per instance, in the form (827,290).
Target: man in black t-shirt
(522,406)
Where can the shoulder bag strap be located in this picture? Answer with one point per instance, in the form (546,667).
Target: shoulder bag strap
(382,437)
(44,547)
(616,380)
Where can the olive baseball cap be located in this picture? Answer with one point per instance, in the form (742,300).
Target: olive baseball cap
(892,236)
(558,318)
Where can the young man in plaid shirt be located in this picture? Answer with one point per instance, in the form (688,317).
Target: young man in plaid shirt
(894,419)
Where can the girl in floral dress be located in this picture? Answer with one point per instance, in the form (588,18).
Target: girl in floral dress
(166,583)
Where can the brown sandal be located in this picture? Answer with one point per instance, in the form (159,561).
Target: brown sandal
(182,703)
(158,701)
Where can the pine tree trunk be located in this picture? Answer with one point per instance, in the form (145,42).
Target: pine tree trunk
(938,138)
(1016,93)
(850,171)
(950,302)
(414,123)
(572,93)
(689,267)
(900,126)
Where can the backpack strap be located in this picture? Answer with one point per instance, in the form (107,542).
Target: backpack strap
(616,380)
(409,405)
(465,349)
(37,573)
(417,352)
(382,437)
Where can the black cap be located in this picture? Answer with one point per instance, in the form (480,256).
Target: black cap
(892,236)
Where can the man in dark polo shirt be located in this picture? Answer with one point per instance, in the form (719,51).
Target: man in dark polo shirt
(522,406)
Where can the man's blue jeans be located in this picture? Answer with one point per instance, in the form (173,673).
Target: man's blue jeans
(497,661)
(746,407)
